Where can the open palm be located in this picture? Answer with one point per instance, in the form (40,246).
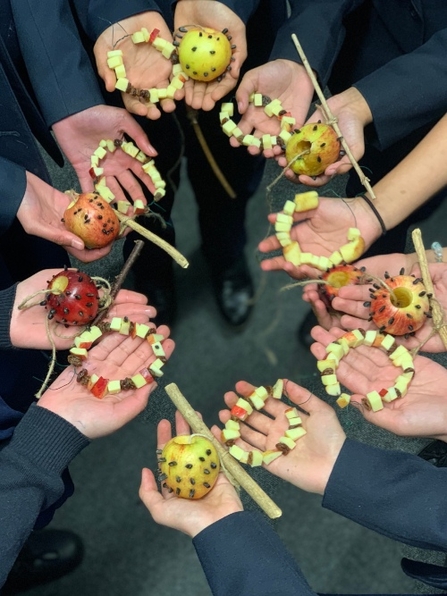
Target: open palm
(422,412)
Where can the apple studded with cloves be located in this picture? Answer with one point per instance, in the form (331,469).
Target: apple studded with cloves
(317,146)
(72,298)
(204,53)
(337,277)
(189,466)
(400,308)
(92,219)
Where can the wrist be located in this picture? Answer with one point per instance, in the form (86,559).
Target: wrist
(200,523)
(370,202)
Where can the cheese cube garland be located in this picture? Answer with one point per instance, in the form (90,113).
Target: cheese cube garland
(305,201)
(100,386)
(171,52)
(399,356)
(147,165)
(242,410)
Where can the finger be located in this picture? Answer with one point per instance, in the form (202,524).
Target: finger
(129,297)
(181,426)
(88,255)
(303,398)
(134,105)
(164,433)
(244,388)
(128,181)
(269,244)
(148,491)
(138,313)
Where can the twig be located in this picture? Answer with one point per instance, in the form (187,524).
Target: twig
(330,118)
(231,467)
(438,313)
(173,252)
(192,117)
(120,278)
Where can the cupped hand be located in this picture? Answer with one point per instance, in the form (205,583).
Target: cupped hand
(353,301)
(146,67)
(28,325)
(114,357)
(186,515)
(321,231)
(309,464)
(422,412)
(198,94)
(352,114)
(279,79)
(79,136)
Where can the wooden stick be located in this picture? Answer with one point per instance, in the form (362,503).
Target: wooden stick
(438,312)
(232,468)
(192,116)
(173,252)
(330,118)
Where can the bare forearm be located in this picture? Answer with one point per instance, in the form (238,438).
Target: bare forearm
(415,179)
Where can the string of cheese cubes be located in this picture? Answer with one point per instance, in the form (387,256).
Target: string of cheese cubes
(115,61)
(271,108)
(147,165)
(241,411)
(399,356)
(100,386)
(292,253)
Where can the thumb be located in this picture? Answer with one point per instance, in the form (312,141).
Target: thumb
(148,491)
(246,87)
(134,130)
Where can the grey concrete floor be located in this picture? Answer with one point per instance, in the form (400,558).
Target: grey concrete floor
(126,552)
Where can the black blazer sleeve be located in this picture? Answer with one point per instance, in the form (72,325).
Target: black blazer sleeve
(13,185)
(59,68)
(242,554)
(42,446)
(394,493)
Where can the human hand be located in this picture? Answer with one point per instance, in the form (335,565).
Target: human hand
(354,299)
(422,412)
(198,94)
(352,114)
(145,66)
(79,136)
(116,356)
(28,325)
(186,515)
(279,79)
(320,231)
(310,463)
(351,300)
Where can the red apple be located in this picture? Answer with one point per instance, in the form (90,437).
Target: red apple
(401,307)
(92,219)
(336,278)
(72,298)
(317,145)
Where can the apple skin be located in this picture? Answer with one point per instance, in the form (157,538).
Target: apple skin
(204,53)
(322,144)
(338,277)
(408,314)
(189,466)
(92,219)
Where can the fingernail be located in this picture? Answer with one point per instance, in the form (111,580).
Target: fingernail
(78,244)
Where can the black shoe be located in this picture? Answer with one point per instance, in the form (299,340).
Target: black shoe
(233,288)
(47,555)
(435,453)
